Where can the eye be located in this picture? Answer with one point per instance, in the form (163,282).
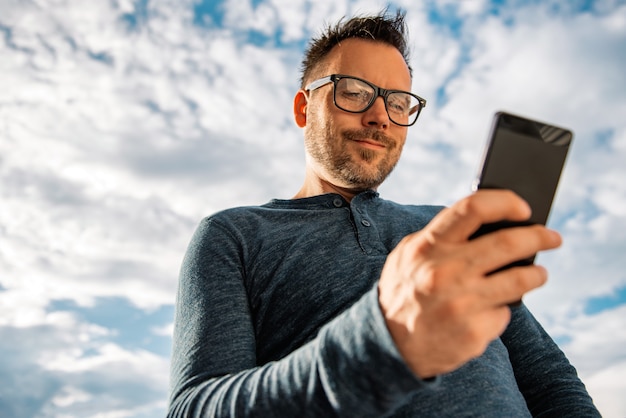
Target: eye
(356,95)
(398,103)
(354,90)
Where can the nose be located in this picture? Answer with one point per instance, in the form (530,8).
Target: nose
(376,115)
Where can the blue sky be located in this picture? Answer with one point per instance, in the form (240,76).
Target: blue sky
(123,123)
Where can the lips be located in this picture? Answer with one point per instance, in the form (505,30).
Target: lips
(372,139)
(369,143)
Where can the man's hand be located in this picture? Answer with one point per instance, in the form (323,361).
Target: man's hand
(440,306)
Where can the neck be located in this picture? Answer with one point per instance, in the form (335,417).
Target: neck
(315,186)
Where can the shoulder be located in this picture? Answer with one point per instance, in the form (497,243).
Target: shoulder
(233,219)
(262,220)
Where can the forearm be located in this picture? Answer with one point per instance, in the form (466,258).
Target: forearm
(350,369)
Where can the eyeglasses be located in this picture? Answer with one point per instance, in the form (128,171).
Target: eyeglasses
(356,95)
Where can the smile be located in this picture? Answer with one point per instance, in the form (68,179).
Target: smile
(370,144)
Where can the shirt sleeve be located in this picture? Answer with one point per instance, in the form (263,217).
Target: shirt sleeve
(351,368)
(545,377)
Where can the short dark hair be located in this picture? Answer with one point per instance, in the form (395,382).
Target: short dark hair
(383,27)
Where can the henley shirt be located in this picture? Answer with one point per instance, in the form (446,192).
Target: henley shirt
(277,315)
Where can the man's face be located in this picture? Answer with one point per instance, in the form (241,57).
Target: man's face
(355,150)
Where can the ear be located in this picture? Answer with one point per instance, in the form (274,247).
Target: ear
(300,102)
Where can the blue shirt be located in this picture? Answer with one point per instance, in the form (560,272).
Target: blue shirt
(277,316)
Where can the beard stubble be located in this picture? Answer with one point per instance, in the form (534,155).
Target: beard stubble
(354,169)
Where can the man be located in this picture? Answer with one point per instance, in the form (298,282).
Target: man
(340,303)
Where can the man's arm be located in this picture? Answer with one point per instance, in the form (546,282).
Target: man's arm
(545,377)
(441,304)
(214,368)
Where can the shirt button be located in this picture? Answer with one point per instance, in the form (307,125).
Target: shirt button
(338,202)
(365,222)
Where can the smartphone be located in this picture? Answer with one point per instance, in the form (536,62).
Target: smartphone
(527,157)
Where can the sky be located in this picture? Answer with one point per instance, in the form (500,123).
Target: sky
(124,122)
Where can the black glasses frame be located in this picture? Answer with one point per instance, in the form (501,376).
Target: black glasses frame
(378,92)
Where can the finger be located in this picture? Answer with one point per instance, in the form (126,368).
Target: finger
(510,285)
(494,321)
(500,248)
(462,219)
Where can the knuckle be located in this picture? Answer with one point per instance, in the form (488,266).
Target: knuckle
(507,239)
(438,277)
(425,245)
(516,280)
(509,194)
(429,278)
(469,205)
(526,278)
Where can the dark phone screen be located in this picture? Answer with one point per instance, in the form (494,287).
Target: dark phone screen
(527,157)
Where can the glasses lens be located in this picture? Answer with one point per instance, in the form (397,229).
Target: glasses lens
(353,95)
(403,108)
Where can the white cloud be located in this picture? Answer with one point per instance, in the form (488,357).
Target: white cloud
(607,389)
(65,367)
(597,349)
(116,140)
